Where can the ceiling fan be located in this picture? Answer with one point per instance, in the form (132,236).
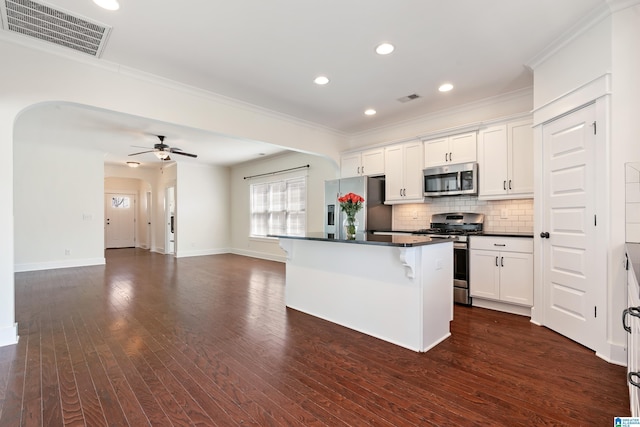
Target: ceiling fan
(162,151)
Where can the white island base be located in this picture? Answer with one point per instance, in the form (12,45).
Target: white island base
(403,295)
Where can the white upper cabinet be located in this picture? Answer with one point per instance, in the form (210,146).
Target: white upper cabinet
(403,173)
(368,162)
(450,150)
(505,161)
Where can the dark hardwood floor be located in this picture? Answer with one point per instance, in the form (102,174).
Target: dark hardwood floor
(148,339)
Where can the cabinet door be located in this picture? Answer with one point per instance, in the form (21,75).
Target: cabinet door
(463,148)
(413,177)
(373,162)
(484,274)
(436,152)
(516,278)
(393,173)
(492,161)
(520,152)
(350,165)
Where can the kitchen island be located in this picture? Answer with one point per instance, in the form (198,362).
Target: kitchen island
(395,288)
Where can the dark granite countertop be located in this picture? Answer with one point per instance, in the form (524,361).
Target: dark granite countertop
(372,239)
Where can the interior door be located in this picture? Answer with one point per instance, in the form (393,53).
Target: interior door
(119,221)
(170,219)
(570,282)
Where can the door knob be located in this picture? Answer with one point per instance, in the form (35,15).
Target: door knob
(544,234)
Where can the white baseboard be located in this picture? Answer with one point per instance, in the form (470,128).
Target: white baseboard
(501,306)
(9,336)
(260,255)
(50,265)
(184,254)
(617,354)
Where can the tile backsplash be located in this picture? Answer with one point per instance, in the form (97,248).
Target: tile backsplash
(499,215)
(632,198)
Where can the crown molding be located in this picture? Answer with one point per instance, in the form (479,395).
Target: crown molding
(597,15)
(122,70)
(459,109)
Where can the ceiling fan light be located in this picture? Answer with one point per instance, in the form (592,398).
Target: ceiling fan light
(161,154)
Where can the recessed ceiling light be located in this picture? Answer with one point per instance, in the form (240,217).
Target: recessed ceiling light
(445,87)
(133,164)
(370,112)
(108,4)
(384,48)
(321,80)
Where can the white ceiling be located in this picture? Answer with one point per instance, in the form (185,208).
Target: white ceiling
(267,53)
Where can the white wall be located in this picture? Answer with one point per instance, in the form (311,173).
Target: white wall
(581,60)
(203,210)
(607,48)
(29,76)
(320,170)
(59,212)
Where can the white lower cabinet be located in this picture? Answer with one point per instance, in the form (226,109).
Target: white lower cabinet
(501,269)
(631,323)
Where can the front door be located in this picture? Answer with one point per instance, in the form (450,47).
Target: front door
(571,285)
(119,221)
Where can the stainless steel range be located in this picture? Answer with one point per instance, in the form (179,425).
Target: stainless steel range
(457,226)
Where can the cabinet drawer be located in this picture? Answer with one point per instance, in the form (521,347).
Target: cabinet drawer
(509,244)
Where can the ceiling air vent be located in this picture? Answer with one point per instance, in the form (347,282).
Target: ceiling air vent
(47,23)
(409,97)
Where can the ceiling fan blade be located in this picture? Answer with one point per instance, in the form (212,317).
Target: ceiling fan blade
(183,153)
(142,152)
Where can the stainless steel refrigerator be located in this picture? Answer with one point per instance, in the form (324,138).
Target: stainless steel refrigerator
(374,215)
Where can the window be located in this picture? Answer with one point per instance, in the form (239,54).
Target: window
(279,207)
(120,202)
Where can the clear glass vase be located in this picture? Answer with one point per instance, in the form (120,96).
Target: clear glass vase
(350,225)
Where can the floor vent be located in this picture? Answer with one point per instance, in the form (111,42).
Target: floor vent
(44,22)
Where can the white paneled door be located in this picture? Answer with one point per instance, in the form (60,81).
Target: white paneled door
(119,221)
(570,267)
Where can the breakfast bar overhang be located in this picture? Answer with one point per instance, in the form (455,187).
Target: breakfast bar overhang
(395,288)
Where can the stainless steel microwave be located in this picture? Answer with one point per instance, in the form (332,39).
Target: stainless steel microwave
(451,180)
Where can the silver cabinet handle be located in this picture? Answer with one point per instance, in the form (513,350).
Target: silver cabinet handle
(630,377)
(633,311)
(496,261)
(504,185)
(509,184)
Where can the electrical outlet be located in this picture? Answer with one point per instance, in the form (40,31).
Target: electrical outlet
(504,213)
(415,214)
(67,252)
(438,264)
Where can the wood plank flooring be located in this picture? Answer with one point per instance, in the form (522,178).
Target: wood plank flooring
(151,340)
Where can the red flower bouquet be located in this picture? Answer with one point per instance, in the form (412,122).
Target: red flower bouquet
(350,204)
